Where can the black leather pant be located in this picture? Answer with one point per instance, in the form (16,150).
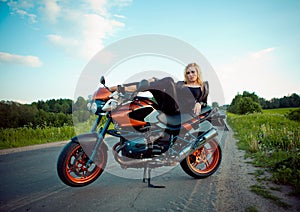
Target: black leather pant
(164,92)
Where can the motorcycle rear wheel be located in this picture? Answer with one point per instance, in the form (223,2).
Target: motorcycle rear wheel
(203,162)
(72,169)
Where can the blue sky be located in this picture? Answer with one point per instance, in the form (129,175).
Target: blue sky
(45,45)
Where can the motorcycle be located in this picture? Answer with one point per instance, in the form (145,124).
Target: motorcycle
(147,139)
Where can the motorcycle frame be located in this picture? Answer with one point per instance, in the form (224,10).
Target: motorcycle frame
(104,130)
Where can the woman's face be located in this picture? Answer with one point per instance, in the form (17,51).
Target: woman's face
(191,74)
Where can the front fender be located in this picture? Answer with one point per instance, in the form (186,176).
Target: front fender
(88,142)
(86,137)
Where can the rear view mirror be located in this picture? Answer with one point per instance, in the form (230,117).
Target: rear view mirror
(102,80)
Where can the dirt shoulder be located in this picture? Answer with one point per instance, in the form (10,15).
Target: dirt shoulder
(33,147)
(235,181)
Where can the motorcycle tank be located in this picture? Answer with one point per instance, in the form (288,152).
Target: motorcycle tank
(101,94)
(133,113)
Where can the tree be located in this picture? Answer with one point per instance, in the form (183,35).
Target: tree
(215,104)
(80,112)
(253,96)
(233,107)
(263,103)
(246,103)
(274,103)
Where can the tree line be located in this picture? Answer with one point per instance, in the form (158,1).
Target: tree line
(250,103)
(56,113)
(60,112)
(284,102)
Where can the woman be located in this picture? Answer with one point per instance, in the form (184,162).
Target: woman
(181,97)
(196,86)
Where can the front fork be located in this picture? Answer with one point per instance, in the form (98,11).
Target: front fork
(101,135)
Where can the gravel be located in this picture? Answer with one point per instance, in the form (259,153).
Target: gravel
(235,180)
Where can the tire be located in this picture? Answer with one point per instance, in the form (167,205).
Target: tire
(203,162)
(71,167)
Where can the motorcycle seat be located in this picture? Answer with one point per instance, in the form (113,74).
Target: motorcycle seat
(174,121)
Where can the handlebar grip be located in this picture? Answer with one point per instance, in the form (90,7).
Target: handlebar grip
(143,85)
(121,89)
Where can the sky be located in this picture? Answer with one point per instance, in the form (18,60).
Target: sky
(45,45)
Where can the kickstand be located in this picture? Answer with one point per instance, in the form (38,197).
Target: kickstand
(149,178)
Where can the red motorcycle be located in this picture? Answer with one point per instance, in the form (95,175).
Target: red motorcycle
(147,139)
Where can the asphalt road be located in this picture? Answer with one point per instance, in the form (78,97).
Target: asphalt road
(29,182)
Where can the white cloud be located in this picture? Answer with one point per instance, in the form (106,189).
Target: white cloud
(89,29)
(26,5)
(98,5)
(262,53)
(80,27)
(255,72)
(23,13)
(119,16)
(31,61)
(22,8)
(63,42)
(51,10)
(120,3)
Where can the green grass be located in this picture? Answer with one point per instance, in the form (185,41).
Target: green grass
(25,136)
(18,137)
(279,111)
(273,141)
(251,209)
(262,191)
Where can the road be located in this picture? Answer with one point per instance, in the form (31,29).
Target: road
(29,182)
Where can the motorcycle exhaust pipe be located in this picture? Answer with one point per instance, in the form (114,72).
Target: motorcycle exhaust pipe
(200,141)
(131,162)
(203,139)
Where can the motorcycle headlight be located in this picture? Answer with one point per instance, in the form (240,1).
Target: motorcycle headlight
(94,107)
(88,106)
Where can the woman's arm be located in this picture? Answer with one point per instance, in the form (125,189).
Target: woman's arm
(197,108)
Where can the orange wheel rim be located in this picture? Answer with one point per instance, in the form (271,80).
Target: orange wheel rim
(76,167)
(205,159)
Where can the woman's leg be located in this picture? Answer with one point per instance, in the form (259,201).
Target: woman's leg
(164,92)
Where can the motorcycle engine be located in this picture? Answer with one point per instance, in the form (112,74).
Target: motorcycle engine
(144,147)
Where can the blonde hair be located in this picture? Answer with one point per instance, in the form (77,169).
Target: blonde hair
(197,68)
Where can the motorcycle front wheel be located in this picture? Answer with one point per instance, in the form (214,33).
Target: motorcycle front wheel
(203,162)
(72,166)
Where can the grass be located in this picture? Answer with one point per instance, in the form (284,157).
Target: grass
(251,209)
(281,111)
(273,141)
(262,191)
(25,136)
(18,137)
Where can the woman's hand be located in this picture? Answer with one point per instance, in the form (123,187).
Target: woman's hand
(197,108)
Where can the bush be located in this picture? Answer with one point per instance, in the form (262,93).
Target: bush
(294,115)
(247,105)
(244,104)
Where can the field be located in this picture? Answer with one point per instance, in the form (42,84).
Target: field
(281,111)
(25,136)
(18,137)
(273,141)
